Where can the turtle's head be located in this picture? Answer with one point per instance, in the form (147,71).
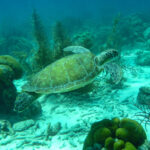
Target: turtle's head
(105,57)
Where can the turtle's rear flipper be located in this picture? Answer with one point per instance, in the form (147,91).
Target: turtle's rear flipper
(23,101)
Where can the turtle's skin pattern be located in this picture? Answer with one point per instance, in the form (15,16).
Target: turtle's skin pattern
(66,74)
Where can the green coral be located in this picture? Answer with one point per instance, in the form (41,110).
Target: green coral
(61,40)
(84,39)
(122,133)
(129,146)
(43,55)
(135,131)
(115,134)
(118,145)
(115,125)
(10,69)
(13,64)
(6,73)
(109,142)
(106,125)
(101,135)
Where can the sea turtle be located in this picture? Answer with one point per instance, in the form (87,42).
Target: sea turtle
(66,74)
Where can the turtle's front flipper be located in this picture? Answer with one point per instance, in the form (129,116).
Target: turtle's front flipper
(115,72)
(24,100)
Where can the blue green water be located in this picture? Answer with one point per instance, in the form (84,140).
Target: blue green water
(19,11)
(59,74)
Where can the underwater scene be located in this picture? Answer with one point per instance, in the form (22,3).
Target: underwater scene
(74,75)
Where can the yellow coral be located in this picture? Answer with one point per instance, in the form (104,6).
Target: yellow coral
(13,64)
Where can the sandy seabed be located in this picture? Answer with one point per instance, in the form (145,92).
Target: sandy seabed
(77,112)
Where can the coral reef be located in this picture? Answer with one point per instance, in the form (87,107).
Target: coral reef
(10,69)
(100,99)
(60,40)
(143,58)
(33,111)
(144,95)
(6,128)
(22,57)
(43,55)
(13,64)
(22,101)
(116,134)
(132,28)
(8,95)
(12,43)
(135,132)
(84,39)
(146,33)
(14,37)
(6,73)
(114,40)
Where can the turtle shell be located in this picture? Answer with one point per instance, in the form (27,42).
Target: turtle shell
(66,74)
